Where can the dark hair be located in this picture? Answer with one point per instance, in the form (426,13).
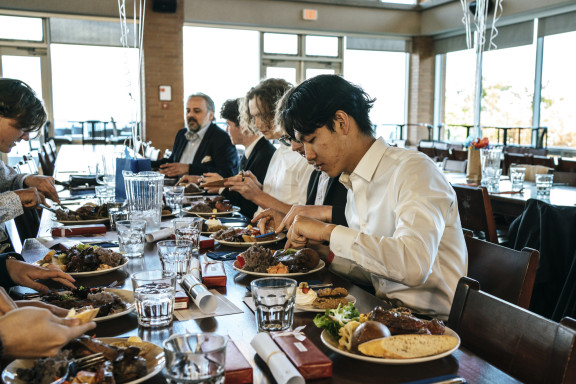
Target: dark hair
(19,102)
(208,99)
(268,92)
(230,111)
(314,103)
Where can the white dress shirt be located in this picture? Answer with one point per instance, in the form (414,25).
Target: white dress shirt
(192,147)
(321,189)
(287,177)
(404,235)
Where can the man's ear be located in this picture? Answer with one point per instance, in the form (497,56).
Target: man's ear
(342,122)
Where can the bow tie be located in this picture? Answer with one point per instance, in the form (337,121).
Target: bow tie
(191,136)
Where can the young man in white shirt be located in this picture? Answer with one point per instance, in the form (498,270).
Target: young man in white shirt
(404,236)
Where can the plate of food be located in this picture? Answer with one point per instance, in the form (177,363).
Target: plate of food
(87,214)
(191,189)
(260,261)
(145,361)
(310,300)
(385,336)
(111,302)
(83,260)
(245,237)
(211,206)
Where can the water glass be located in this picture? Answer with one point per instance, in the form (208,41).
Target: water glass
(154,293)
(195,358)
(174,197)
(274,300)
(189,229)
(175,256)
(116,211)
(104,194)
(491,172)
(131,237)
(544,184)
(517,175)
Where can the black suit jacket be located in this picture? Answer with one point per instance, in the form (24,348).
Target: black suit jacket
(335,197)
(257,163)
(216,144)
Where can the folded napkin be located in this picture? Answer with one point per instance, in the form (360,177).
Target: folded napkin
(281,368)
(161,234)
(204,299)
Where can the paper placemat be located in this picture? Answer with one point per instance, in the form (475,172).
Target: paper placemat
(225,307)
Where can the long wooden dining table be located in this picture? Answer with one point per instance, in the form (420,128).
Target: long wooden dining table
(241,327)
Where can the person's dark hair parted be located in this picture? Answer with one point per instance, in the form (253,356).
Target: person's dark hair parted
(314,103)
(19,102)
(230,111)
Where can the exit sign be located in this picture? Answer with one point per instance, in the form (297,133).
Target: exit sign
(310,14)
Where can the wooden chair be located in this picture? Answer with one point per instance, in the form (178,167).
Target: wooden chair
(523,344)
(430,151)
(503,272)
(568,178)
(457,154)
(442,154)
(455,165)
(515,158)
(476,211)
(46,162)
(565,165)
(544,160)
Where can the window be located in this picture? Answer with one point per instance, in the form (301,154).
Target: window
(281,43)
(229,74)
(21,28)
(558,83)
(383,76)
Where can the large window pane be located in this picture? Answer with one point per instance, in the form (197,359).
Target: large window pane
(557,110)
(383,76)
(286,73)
(459,94)
(322,46)
(231,73)
(508,90)
(21,28)
(94,83)
(281,43)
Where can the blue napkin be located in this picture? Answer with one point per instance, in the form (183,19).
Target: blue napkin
(222,255)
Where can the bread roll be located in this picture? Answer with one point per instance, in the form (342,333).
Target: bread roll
(408,346)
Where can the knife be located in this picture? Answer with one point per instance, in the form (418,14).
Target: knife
(44,206)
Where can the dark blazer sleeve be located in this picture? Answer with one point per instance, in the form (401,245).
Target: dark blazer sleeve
(257,163)
(216,145)
(336,195)
(5,279)
(177,150)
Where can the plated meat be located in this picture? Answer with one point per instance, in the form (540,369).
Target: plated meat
(401,321)
(108,302)
(260,259)
(85,258)
(86,212)
(209,205)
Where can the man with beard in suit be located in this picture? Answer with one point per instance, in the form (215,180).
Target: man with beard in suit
(202,146)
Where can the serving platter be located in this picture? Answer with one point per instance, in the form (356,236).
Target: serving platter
(244,244)
(321,264)
(127,296)
(331,343)
(208,214)
(154,356)
(92,273)
(312,308)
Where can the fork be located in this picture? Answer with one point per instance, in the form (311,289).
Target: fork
(76,365)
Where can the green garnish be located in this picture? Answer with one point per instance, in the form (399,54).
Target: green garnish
(334,319)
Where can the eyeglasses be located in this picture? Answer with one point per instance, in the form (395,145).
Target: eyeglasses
(287,140)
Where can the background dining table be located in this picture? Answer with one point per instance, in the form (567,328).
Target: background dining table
(241,327)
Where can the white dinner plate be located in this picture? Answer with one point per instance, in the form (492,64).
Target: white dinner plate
(208,214)
(320,265)
(331,343)
(127,296)
(243,244)
(103,220)
(154,361)
(92,273)
(311,308)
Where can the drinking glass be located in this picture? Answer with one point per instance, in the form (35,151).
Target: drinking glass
(175,256)
(544,184)
(104,194)
(116,212)
(517,175)
(195,358)
(274,300)
(154,293)
(189,229)
(131,237)
(174,197)
(491,172)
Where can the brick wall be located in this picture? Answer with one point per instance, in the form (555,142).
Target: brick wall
(163,65)
(421,93)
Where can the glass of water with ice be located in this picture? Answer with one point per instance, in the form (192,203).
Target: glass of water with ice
(174,197)
(131,237)
(154,293)
(195,358)
(175,256)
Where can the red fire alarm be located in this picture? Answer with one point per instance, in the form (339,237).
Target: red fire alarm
(310,14)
